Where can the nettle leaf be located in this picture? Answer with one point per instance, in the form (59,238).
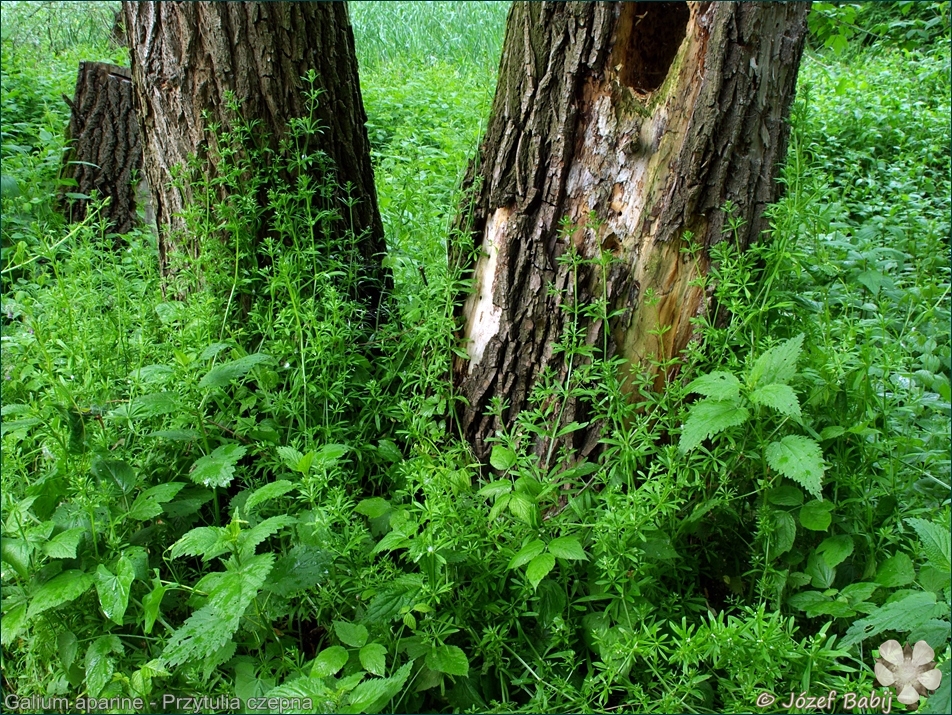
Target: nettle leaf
(249,539)
(567,547)
(495,489)
(113,589)
(784,533)
(352,634)
(205,541)
(539,568)
(149,503)
(291,457)
(815,515)
(527,553)
(778,397)
(223,374)
(936,541)
(777,365)
(800,459)
(718,385)
(709,417)
(218,468)
(268,492)
(63,546)
(835,549)
(60,589)
(448,659)
(372,695)
(819,571)
(373,508)
(903,615)
(895,571)
(373,658)
(145,406)
(99,666)
(502,458)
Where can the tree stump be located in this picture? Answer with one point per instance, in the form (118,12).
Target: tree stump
(106,155)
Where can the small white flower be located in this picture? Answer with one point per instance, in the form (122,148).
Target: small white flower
(911,670)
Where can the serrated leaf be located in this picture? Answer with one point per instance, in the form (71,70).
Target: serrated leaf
(777,365)
(225,373)
(212,350)
(708,418)
(250,538)
(936,541)
(820,572)
(63,546)
(501,503)
(149,503)
(205,541)
(218,468)
(835,549)
(815,515)
(373,508)
(539,568)
(502,458)
(392,541)
(352,634)
(717,385)
(527,553)
(60,589)
(14,622)
(494,489)
(145,406)
(113,589)
(99,666)
(267,492)
(785,495)
(115,471)
(373,695)
(373,658)
(176,435)
(524,509)
(290,456)
(941,700)
(784,533)
(567,547)
(903,615)
(329,661)
(448,659)
(778,397)
(895,571)
(799,458)
(329,454)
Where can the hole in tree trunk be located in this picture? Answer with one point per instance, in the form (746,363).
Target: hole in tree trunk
(650,34)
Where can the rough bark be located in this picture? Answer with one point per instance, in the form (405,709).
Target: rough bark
(186,56)
(105,155)
(636,122)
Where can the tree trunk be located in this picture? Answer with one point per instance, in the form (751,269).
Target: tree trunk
(637,122)
(185,58)
(105,155)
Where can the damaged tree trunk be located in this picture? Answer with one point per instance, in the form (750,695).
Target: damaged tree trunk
(637,123)
(186,59)
(105,156)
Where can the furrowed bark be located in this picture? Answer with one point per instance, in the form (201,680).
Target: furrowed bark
(637,123)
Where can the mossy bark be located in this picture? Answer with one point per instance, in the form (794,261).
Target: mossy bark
(637,123)
(187,56)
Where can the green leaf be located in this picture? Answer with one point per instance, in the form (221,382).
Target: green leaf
(149,503)
(708,418)
(815,515)
(906,614)
(539,568)
(859,592)
(935,632)
(527,553)
(205,541)
(835,549)
(114,589)
(499,506)
(820,572)
(291,457)
(116,471)
(63,546)
(777,365)
(448,659)
(250,538)
(941,701)
(567,547)
(352,634)
(60,589)
(99,666)
(150,605)
(14,621)
(800,459)
(784,533)
(502,458)
(392,541)
(373,508)
(329,454)
(225,373)
(373,695)
(524,509)
(373,658)
(267,492)
(718,385)
(778,397)
(936,541)
(145,406)
(329,661)
(785,495)
(895,571)
(494,489)
(218,468)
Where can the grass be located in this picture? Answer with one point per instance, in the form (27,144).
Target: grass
(275,505)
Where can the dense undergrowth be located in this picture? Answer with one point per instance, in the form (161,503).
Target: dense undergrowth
(199,504)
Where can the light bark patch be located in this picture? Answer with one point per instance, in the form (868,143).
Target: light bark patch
(481,313)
